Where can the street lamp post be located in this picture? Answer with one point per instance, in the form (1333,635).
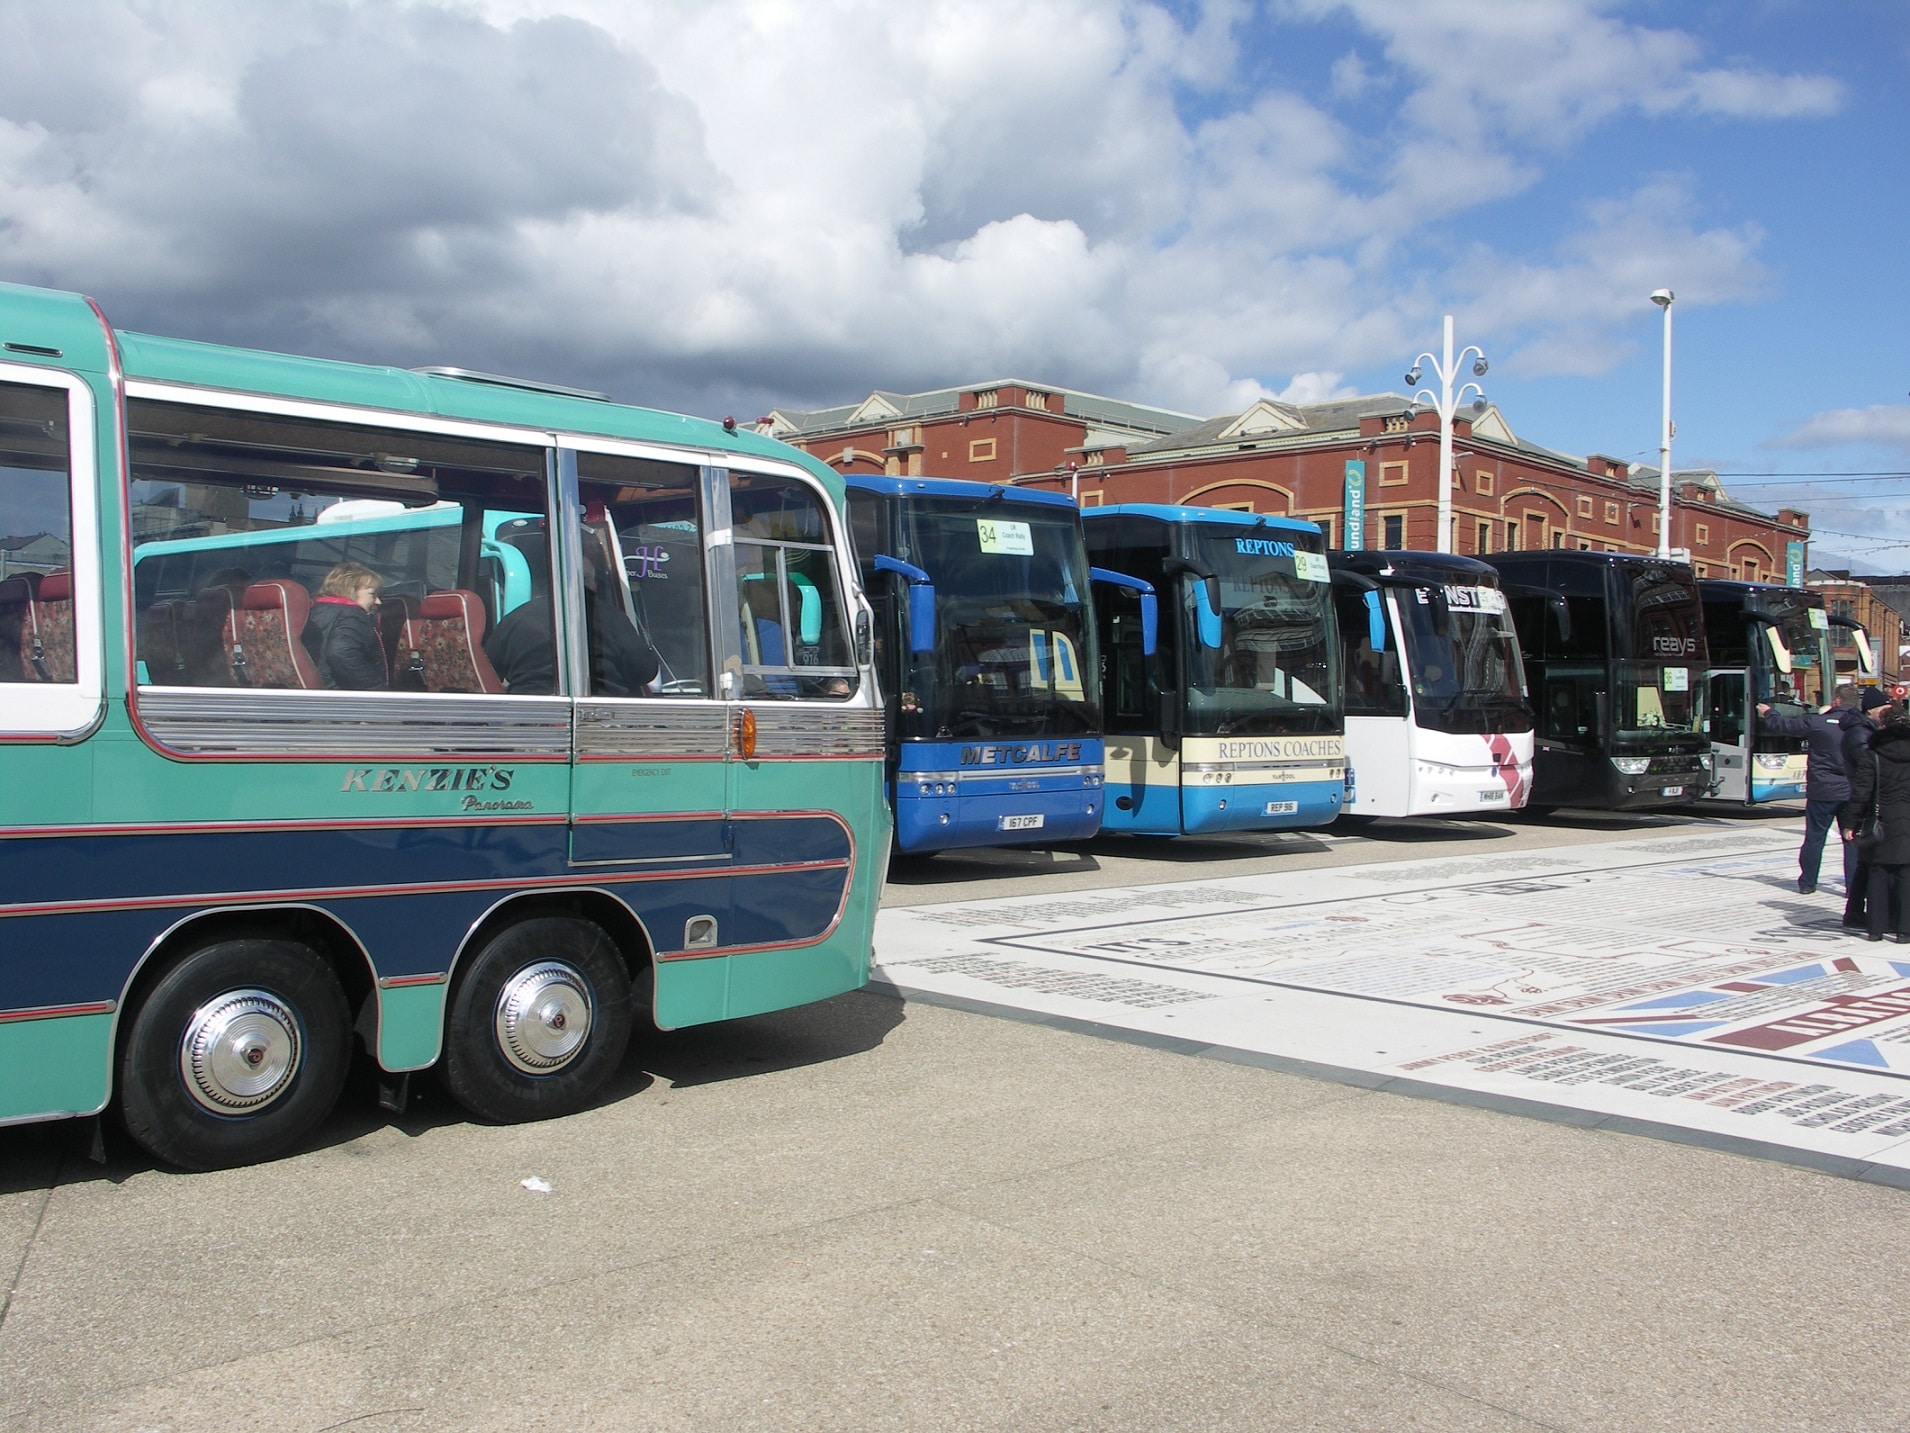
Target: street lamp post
(1663,298)
(1446,402)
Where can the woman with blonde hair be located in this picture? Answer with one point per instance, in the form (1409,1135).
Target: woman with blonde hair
(340,634)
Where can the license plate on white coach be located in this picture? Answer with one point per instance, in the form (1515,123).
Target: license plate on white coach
(1020,823)
(1281,808)
(1497,793)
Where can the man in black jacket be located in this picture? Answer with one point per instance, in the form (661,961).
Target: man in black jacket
(1880,785)
(1826,783)
(1876,710)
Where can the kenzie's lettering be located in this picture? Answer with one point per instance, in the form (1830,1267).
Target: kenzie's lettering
(429,778)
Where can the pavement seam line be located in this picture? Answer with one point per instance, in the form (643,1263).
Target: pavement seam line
(33,1238)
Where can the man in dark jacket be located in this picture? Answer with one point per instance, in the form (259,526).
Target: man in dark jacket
(1880,783)
(1876,710)
(1826,786)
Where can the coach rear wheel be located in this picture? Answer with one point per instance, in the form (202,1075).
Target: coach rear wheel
(235,1055)
(539,1021)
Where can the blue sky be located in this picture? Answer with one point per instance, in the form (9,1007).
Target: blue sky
(727,205)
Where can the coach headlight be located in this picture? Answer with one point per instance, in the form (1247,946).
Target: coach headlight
(1632,765)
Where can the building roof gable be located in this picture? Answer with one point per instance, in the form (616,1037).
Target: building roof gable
(1264,419)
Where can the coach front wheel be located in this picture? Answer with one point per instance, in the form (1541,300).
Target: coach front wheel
(538,1022)
(235,1055)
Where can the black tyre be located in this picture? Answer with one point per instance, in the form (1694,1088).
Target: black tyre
(236,1055)
(539,1021)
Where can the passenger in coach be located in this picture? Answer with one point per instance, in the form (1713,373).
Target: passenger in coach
(340,634)
(622,661)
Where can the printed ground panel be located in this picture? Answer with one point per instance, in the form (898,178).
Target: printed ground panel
(1676,981)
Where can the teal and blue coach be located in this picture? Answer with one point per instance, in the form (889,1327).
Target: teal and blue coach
(622,762)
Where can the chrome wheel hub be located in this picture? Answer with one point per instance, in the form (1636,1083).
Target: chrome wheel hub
(240,1051)
(543,1017)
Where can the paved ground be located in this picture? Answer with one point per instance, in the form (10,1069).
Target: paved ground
(879,1214)
(1670,980)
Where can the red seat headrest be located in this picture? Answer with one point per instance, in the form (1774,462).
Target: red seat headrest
(455,604)
(56,587)
(270,595)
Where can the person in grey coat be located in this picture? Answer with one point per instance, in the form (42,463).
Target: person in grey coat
(1881,782)
(1825,785)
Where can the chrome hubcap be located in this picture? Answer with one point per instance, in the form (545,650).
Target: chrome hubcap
(543,1017)
(240,1051)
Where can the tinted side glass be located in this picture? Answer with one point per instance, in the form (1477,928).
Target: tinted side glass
(794,629)
(644,598)
(36,536)
(271,551)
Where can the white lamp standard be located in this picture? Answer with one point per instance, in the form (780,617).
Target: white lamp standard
(1446,402)
(1663,298)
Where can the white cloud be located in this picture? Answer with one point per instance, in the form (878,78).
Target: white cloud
(700,202)
(1550,70)
(1883,425)
(1581,310)
(1317,388)
(1349,78)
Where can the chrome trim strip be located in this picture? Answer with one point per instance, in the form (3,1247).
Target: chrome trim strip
(1249,768)
(651,727)
(998,773)
(251,900)
(328,411)
(644,861)
(817,731)
(57,1012)
(231,721)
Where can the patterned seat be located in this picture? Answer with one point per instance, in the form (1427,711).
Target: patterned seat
(395,611)
(16,599)
(162,643)
(202,635)
(49,638)
(444,644)
(262,637)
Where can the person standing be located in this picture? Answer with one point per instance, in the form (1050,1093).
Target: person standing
(1880,782)
(1826,786)
(1876,709)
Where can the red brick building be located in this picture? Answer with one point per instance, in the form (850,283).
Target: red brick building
(1295,459)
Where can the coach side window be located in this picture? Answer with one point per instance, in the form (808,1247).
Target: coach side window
(275,551)
(36,537)
(794,633)
(644,605)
